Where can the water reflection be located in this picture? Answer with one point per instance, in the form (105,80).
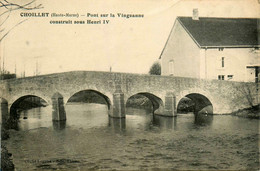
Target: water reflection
(203,119)
(59,125)
(12,124)
(165,122)
(138,121)
(95,115)
(117,124)
(80,115)
(35,118)
(136,142)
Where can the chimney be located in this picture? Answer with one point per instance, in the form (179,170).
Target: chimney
(195,15)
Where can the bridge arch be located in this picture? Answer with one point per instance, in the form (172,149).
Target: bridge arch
(14,106)
(202,103)
(46,97)
(98,93)
(156,101)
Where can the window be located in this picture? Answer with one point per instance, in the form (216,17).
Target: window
(221,77)
(171,67)
(222,62)
(230,77)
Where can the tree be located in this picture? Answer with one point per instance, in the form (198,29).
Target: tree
(155,69)
(249,92)
(6,8)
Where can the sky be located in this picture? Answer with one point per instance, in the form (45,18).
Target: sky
(126,45)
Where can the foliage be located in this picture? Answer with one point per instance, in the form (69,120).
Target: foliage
(6,161)
(155,69)
(6,75)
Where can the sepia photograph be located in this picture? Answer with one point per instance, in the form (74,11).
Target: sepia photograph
(129,85)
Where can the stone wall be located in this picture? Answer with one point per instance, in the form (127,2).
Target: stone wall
(225,96)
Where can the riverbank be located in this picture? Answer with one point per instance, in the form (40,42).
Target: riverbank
(6,161)
(252,113)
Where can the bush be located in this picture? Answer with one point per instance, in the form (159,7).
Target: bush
(155,69)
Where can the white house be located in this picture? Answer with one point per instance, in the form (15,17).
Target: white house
(213,48)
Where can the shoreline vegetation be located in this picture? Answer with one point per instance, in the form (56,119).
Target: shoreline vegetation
(251,112)
(30,103)
(6,161)
(139,101)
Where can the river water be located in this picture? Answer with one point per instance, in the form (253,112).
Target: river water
(90,140)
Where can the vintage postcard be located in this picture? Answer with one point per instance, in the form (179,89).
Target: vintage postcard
(129,84)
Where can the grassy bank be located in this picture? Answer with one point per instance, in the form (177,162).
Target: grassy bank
(252,112)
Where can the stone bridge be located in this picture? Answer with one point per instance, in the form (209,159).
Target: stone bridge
(165,92)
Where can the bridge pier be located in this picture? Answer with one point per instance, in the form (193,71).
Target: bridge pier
(3,112)
(58,110)
(118,108)
(169,108)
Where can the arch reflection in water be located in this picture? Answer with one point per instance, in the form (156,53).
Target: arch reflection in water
(117,124)
(203,119)
(59,125)
(165,122)
(35,118)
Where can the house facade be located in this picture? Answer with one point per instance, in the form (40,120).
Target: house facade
(213,48)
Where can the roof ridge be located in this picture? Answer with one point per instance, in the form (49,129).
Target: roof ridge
(197,43)
(220,17)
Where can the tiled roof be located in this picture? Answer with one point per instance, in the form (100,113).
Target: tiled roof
(223,32)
